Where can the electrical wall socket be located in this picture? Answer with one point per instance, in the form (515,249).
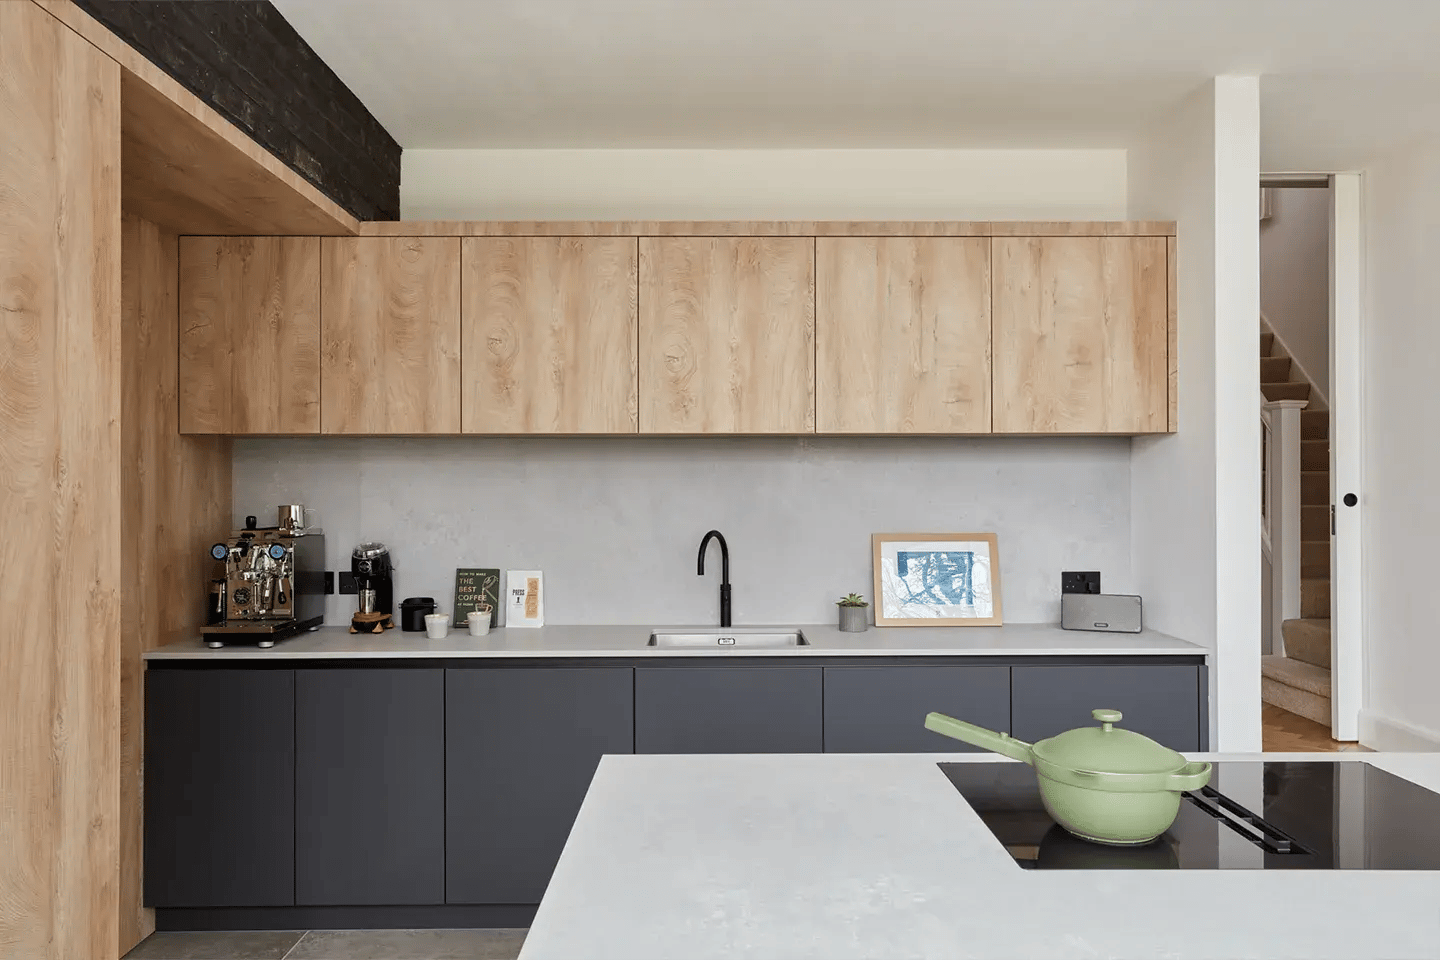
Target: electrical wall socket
(1085,581)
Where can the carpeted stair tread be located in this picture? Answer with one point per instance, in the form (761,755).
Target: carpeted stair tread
(1274,369)
(1296,673)
(1285,391)
(1308,640)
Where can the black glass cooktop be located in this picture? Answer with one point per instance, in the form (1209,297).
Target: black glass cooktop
(1345,815)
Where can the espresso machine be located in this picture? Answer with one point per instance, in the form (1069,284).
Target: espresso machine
(274,583)
(374,588)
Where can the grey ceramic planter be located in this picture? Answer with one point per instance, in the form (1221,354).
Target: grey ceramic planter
(854,619)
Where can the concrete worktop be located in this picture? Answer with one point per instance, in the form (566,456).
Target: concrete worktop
(878,856)
(1012,640)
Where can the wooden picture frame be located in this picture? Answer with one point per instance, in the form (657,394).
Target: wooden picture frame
(950,577)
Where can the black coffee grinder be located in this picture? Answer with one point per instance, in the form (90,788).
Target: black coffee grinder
(375,587)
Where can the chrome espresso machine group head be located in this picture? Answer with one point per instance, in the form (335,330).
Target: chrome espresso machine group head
(274,584)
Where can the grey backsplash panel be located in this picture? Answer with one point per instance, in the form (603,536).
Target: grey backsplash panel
(615,523)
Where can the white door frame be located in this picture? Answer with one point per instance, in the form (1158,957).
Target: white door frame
(1347,594)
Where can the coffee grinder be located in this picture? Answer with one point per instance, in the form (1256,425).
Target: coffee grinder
(375,587)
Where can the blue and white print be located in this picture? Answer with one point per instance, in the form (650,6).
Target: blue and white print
(936,581)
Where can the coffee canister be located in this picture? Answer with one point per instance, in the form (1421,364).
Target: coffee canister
(413,612)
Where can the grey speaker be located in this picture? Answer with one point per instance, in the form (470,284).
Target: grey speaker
(1106,612)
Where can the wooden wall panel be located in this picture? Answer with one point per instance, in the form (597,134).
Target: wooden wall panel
(1080,335)
(902,335)
(60,496)
(175,493)
(250,340)
(1172,337)
(390,325)
(727,335)
(187,168)
(549,329)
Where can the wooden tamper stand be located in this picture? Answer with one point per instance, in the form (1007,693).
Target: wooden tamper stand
(371,623)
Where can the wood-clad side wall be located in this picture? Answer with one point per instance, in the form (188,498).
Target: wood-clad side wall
(60,496)
(175,495)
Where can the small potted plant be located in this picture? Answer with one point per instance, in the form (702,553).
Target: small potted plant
(853,616)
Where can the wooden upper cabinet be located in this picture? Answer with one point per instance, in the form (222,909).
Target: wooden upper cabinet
(902,335)
(1080,334)
(249,335)
(727,330)
(390,358)
(549,335)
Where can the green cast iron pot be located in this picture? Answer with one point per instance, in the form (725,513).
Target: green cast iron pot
(1100,783)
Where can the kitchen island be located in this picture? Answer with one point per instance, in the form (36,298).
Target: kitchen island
(871,857)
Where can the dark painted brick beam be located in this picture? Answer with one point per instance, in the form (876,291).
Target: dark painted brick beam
(245,60)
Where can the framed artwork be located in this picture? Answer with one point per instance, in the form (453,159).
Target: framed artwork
(937,580)
(524,601)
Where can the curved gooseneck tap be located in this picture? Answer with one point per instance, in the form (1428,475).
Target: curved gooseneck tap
(724,572)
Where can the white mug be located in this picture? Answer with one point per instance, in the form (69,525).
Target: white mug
(437,626)
(479,621)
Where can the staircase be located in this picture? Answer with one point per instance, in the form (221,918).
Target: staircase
(1299,681)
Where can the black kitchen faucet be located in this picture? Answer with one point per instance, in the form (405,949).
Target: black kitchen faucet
(724,572)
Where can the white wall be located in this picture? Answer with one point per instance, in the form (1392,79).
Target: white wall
(615,523)
(1401,467)
(763,184)
(1195,504)
(1295,279)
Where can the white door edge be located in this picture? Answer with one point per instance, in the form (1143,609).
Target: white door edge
(1347,619)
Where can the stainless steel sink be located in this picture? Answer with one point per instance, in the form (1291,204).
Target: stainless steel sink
(729,638)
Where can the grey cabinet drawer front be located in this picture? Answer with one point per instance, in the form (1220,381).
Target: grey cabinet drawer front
(1162,702)
(370,786)
(714,709)
(882,709)
(521,747)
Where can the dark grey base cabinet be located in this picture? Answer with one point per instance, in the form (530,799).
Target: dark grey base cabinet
(369,786)
(715,709)
(1163,702)
(452,788)
(521,747)
(220,788)
(882,709)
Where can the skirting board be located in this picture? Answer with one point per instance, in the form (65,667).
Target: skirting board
(345,918)
(1386,735)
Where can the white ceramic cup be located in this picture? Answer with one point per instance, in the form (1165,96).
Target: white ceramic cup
(437,625)
(479,621)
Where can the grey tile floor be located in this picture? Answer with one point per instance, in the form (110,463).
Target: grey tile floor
(332,945)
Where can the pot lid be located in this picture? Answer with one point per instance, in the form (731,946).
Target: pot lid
(1108,749)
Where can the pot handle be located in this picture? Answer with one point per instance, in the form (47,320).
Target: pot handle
(1192,776)
(1001,743)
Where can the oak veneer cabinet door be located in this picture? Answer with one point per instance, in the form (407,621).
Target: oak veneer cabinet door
(1080,334)
(249,335)
(549,335)
(902,335)
(727,335)
(390,335)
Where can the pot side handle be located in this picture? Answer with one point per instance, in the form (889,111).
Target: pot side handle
(1192,776)
(1001,743)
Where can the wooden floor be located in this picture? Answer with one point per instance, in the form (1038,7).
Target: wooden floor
(1286,732)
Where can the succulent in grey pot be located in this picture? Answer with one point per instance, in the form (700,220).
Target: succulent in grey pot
(854,614)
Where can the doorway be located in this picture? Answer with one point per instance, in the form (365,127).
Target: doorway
(1310,271)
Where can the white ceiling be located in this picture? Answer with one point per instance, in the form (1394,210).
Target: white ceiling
(1342,79)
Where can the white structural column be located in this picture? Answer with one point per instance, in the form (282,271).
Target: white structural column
(1195,496)
(1283,476)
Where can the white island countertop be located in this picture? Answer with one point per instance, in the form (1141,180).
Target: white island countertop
(1011,640)
(877,856)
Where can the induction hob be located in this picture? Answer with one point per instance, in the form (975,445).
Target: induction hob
(1254,815)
